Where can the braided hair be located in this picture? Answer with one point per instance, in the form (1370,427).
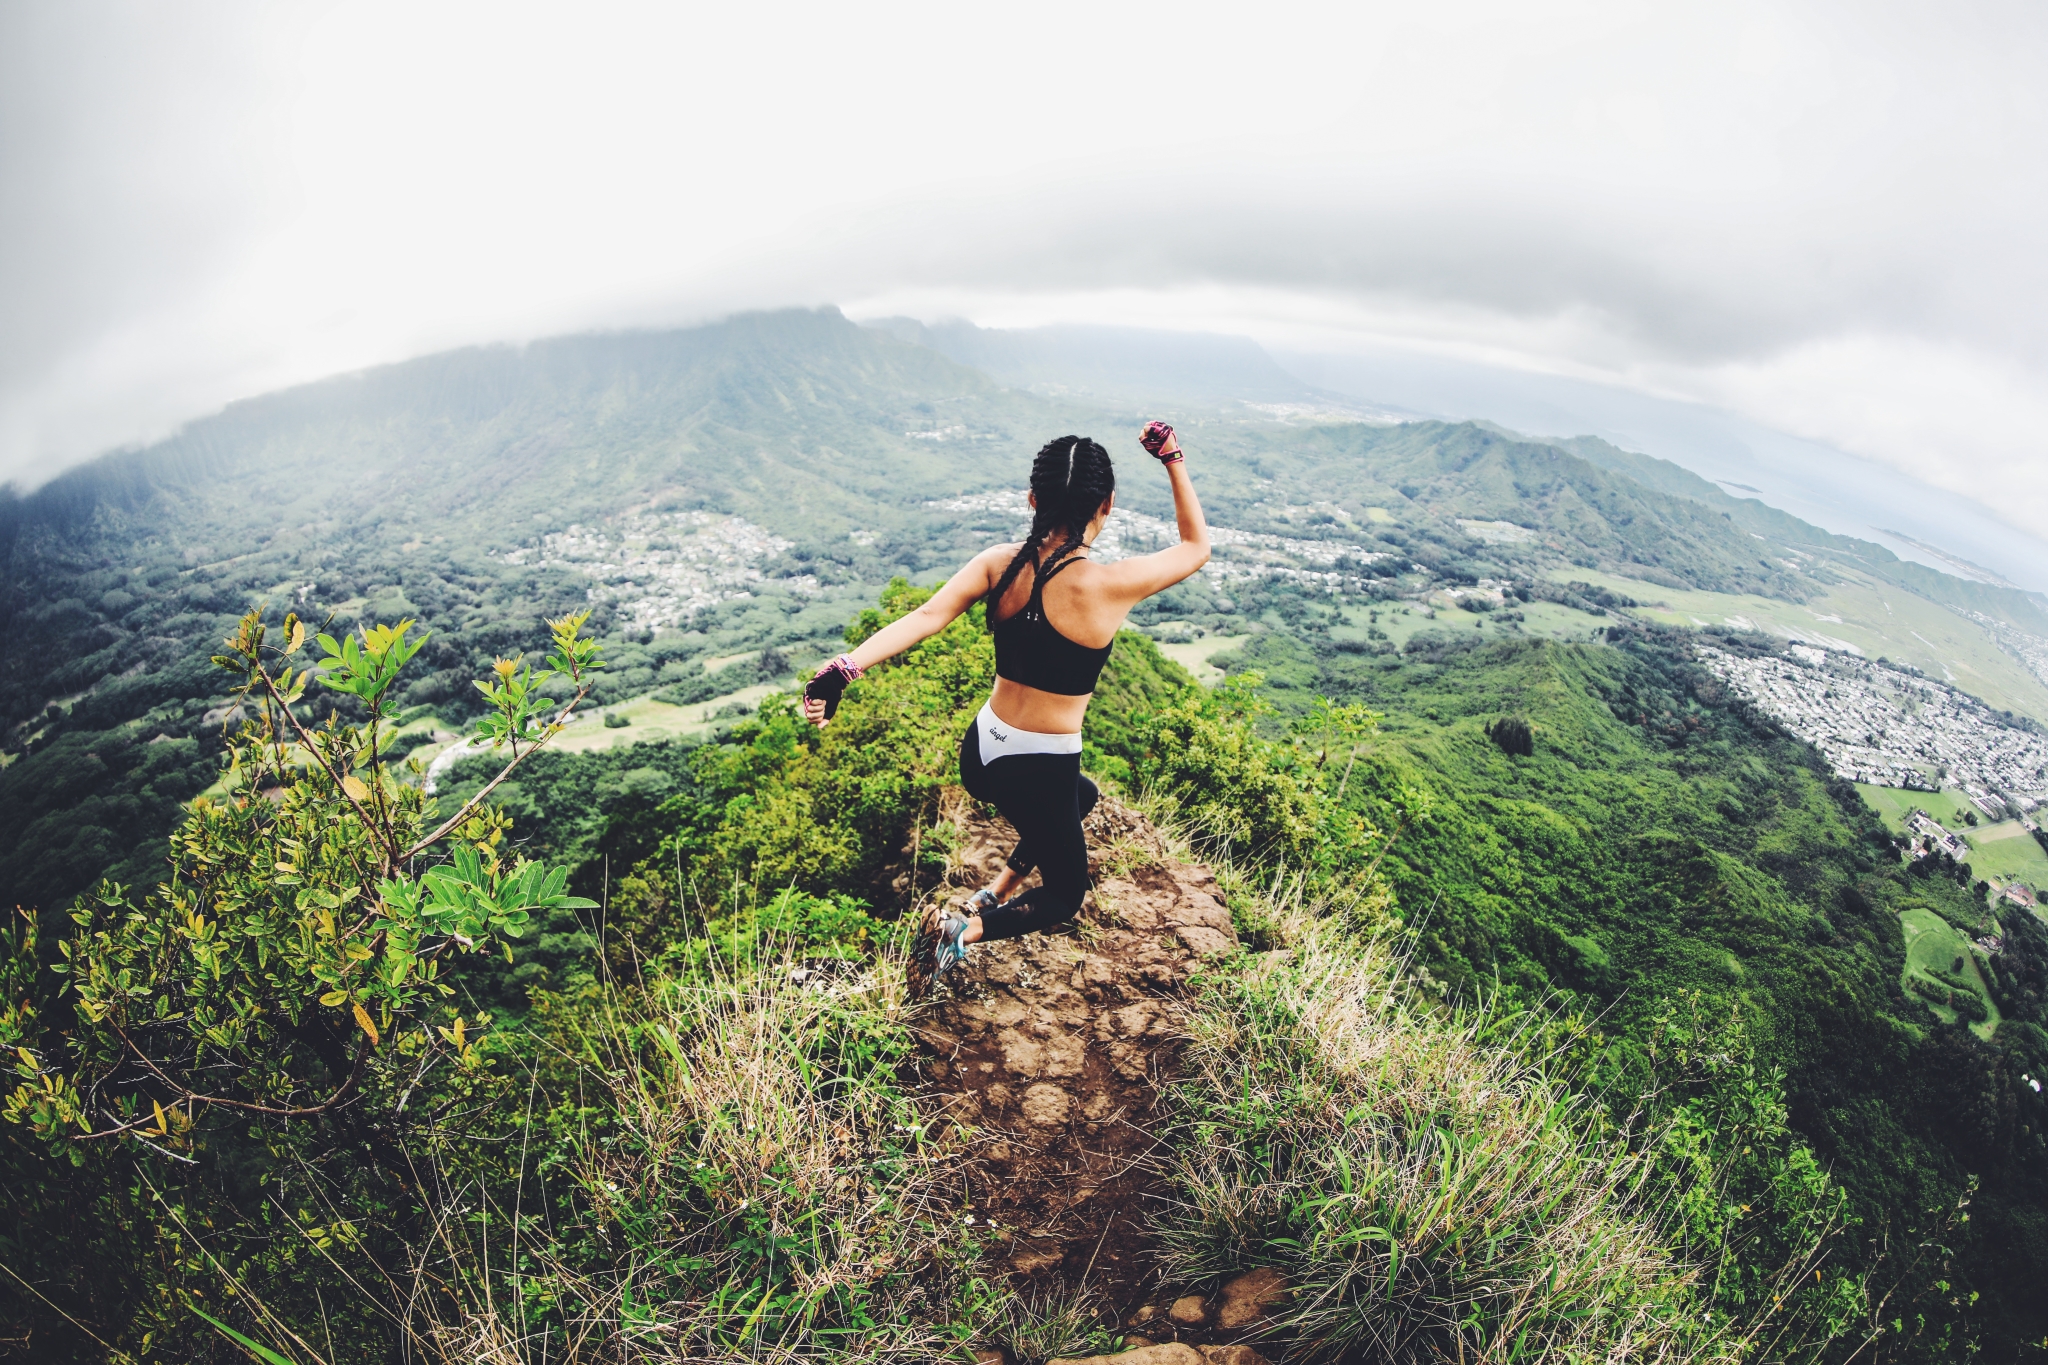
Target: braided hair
(1070,480)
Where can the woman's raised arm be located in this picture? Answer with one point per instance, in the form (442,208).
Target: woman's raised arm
(1139,577)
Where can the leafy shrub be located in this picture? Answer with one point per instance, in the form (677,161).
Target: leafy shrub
(292,934)
(1232,789)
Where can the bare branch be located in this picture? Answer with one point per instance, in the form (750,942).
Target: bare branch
(306,1111)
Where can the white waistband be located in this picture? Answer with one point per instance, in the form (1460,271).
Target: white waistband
(1000,739)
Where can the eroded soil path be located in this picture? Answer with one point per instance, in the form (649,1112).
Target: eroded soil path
(1052,1049)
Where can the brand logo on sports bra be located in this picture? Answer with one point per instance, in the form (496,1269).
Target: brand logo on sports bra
(997,735)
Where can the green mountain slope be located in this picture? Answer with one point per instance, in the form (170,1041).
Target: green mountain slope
(1662,843)
(2028,611)
(1579,513)
(398,492)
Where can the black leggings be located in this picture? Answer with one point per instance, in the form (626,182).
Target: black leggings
(1045,797)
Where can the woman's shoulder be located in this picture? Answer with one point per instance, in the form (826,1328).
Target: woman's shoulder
(991,562)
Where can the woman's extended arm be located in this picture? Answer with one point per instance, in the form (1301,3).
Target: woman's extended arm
(940,610)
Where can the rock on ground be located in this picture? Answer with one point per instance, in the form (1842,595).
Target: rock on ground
(1174,1353)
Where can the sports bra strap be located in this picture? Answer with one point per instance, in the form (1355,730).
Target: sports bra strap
(1067,555)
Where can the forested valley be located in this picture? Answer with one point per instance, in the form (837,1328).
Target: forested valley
(1565,1014)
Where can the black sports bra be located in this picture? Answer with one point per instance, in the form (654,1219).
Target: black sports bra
(1031,652)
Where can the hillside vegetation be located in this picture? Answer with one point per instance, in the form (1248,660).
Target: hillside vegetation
(677,1149)
(1660,841)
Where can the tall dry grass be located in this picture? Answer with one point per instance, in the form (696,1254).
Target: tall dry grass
(757,1185)
(1431,1192)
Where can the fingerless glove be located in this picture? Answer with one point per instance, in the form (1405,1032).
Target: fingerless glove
(828,685)
(1157,437)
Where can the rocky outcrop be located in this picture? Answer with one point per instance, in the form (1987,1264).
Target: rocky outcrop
(1050,1049)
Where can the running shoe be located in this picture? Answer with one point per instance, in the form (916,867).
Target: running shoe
(951,952)
(981,902)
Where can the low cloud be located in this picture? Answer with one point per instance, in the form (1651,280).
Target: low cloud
(1823,220)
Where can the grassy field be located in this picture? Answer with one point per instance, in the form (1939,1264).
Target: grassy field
(1892,803)
(1194,655)
(1932,942)
(1559,622)
(1876,618)
(2008,852)
(1399,620)
(646,719)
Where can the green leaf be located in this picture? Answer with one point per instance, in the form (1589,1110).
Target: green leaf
(255,1348)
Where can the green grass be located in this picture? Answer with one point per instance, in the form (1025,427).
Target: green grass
(2008,852)
(1427,1186)
(788,1198)
(1559,622)
(646,720)
(1194,655)
(1396,620)
(649,719)
(1892,804)
(1932,945)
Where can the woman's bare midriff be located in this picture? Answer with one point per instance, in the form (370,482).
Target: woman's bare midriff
(1045,713)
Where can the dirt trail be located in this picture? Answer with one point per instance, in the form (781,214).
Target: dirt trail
(1052,1048)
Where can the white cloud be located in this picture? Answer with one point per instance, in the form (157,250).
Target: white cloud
(1959,418)
(1821,216)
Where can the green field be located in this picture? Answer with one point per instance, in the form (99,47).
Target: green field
(1194,655)
(1559,622)
(2008,852)
(646,719)
(1398,621)
(1892,804)
(1878,619)
(1932,942)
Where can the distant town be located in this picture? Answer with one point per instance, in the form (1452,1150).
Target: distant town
(662,566)
(1890,727)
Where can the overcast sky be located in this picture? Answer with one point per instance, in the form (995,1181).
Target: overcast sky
(1826,218)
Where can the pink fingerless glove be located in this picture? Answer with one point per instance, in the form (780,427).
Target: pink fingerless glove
(828,685)
(1158,436)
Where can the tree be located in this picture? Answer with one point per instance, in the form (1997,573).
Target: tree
(299,929)
(1514,736)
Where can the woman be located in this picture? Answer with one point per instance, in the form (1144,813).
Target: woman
(1054,614)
